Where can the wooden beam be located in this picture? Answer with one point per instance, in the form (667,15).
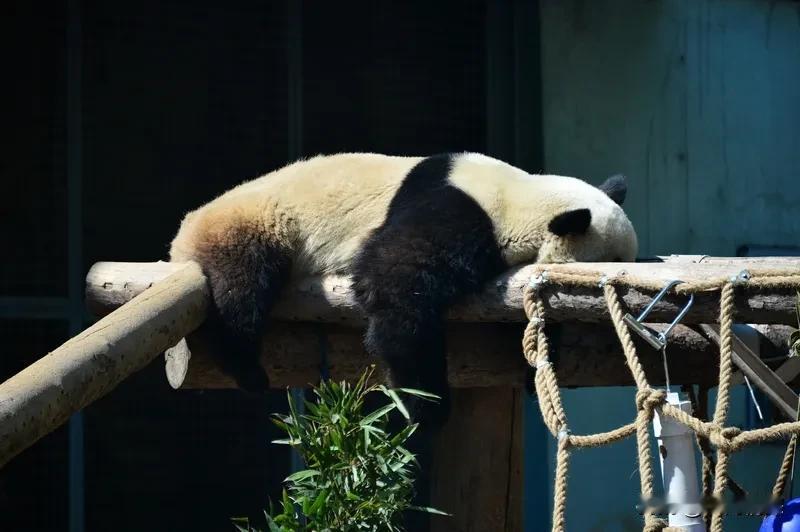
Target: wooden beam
(330,300)
(482,355)
(759,373)
(43,396)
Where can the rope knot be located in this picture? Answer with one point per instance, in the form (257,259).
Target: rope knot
(649,399)
(563,438)
(741,278)
(730,433)
(723,438)
(536,282)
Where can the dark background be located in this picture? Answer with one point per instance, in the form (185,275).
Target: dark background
(118,118)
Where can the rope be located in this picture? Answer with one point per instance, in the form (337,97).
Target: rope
(700,408)
(727,308)
(710,435)
(785,471)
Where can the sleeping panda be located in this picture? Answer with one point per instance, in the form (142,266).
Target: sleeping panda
(415,234)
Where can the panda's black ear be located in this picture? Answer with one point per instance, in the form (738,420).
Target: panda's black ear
(616,188)
(571,222)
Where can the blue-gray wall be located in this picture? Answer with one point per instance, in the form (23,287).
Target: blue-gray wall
(698,103)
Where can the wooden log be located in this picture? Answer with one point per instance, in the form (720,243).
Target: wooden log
(330,300)
(482,355)
(43,396)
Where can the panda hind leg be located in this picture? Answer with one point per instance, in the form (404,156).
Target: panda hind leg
(412,344)
(405,299)
(246,271)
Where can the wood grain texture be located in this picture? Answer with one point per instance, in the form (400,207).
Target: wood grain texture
(482,352)
(477,463)
(329,299)
(43,396)
(481,355)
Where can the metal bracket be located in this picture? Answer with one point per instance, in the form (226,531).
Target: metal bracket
(657,339)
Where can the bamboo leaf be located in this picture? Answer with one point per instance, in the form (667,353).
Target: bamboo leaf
(398,402)
(244,526)
(286,441)
(302,475)
(323,495)
(404,434)
(428,509)
(377,414)
(419,393)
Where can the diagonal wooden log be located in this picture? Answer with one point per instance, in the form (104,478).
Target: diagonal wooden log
(757,371)
(43,396)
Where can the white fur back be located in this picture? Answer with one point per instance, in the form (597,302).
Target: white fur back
(324,209)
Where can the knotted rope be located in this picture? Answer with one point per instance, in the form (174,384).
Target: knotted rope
(710,434)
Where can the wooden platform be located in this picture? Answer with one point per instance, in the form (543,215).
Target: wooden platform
(149,307)
(318,323)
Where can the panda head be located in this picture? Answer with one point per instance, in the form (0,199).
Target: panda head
(587,223)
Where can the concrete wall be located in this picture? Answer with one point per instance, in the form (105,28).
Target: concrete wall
(698,103)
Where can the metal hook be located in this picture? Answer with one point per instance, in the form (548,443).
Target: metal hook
(656,339)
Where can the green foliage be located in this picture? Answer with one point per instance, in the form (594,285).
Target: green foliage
(794,340)
(359,476)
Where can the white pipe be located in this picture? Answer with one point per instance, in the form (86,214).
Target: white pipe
(678,468)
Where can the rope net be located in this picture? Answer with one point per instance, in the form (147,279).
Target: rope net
(711,434)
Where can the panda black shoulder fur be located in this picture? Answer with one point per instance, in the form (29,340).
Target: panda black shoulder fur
(415,233)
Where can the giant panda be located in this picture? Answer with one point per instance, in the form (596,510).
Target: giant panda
(415,234)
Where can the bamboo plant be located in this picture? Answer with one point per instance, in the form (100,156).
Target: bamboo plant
(358,476)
